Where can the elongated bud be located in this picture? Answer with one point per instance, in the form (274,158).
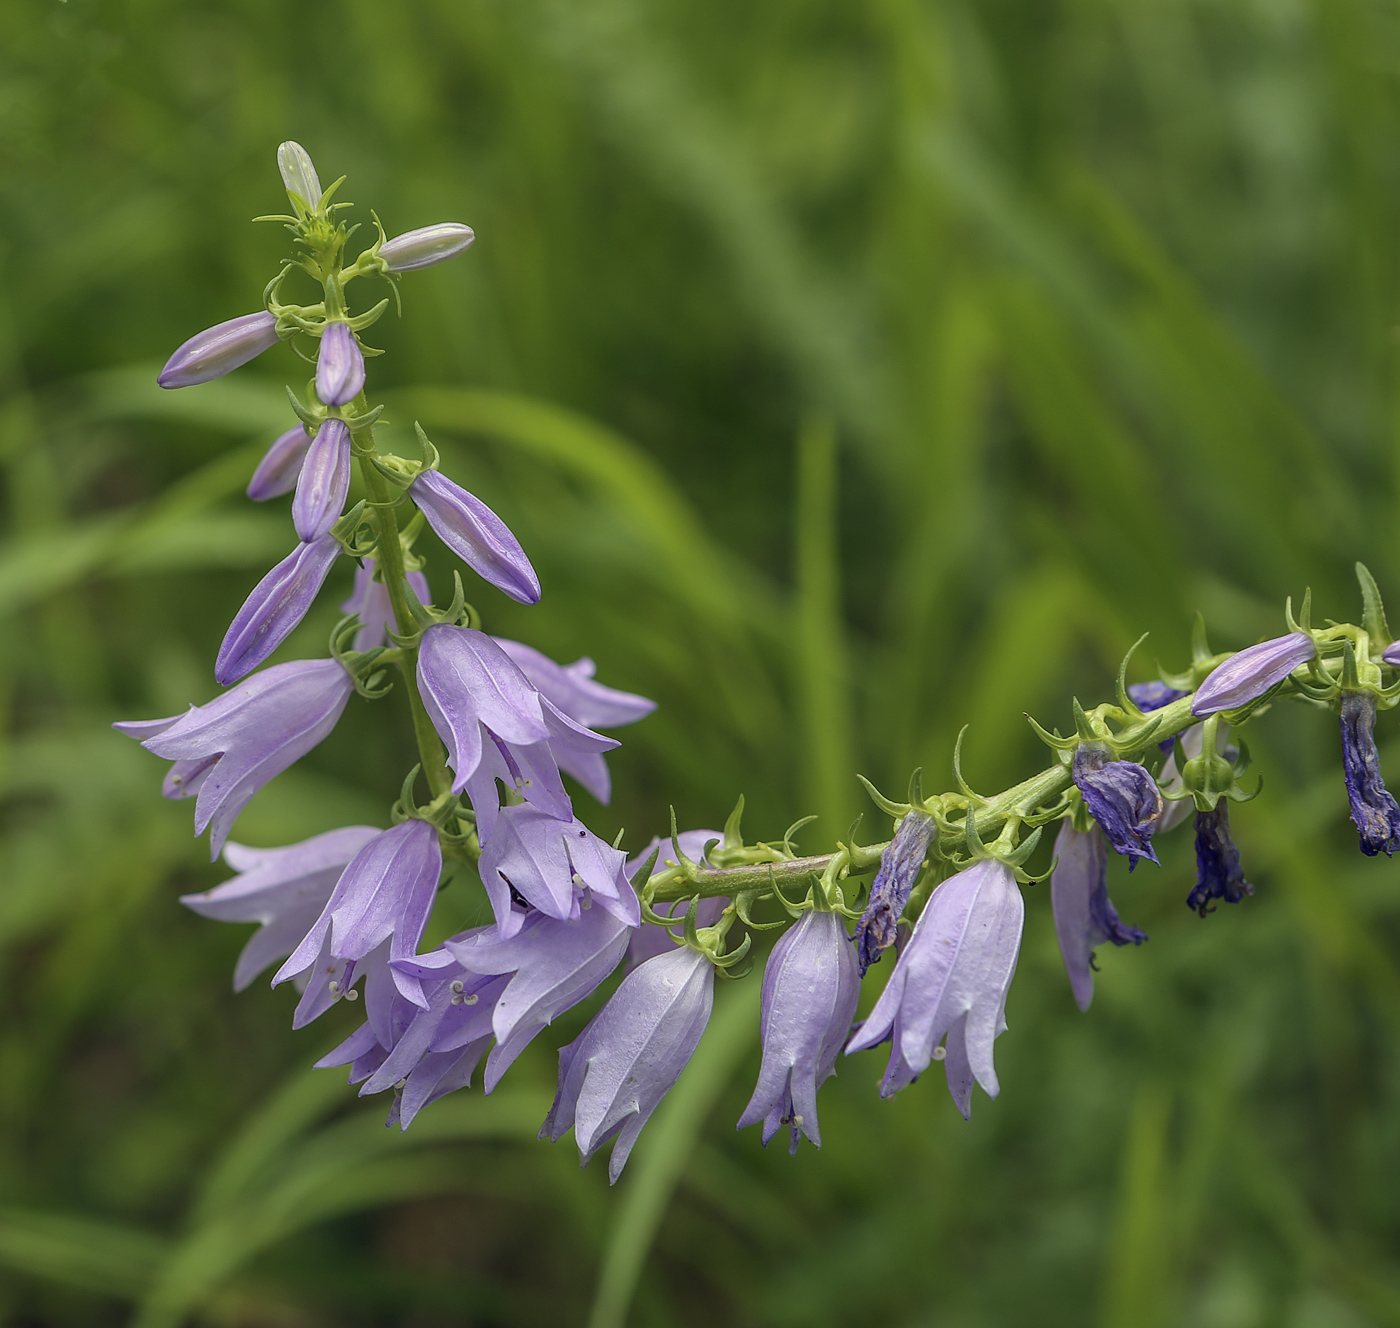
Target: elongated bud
(324,481)
(426,246)
(277,472)
(299,174)
(340,367)
(278,603)
(1248,675)
(219,350)
(476,535)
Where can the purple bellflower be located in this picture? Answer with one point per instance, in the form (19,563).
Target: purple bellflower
(278,603)
(615,1073)
(1246,676)
(219,350)
(1122,797)
(278,471)
(1084,914)
(340,366)
(559,867)
(951,980)
(426,246)
(1218,871)
(900,865)
(369,600)
(1373,808)
(810,990)
(385,894)
(227,750)
(496,725)
(653,940)
(476,535)
(324,481)
(284,889)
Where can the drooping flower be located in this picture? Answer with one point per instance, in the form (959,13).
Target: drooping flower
(239,741)
(532,859)
(278,603)
(324,481)
(496,725)
(1373,808)
(1246,676)
(278,471)
(951,980)
(571,689)
(284,889)
(299,173)
(1218,871)
(900,865)
(369,600)
(810,989)
(1122,797)
(426,246)
(385,894)
(653,940)
(476,535)
(219,350)
(615,1073)
(1084,914)
(340,366)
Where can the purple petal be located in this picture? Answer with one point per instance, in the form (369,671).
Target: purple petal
(324,481)
(340,366)
(219,350)
(277,472)
(571,688)
(476,535)
(1246,676)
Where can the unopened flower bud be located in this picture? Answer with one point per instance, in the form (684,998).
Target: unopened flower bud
(340,367)
(219,350)
(277,472)
(426,246)
(324,481)
(299,173)
(476,535)
(1245,677)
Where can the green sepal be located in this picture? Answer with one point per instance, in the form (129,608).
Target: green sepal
(432,458)
(347,529)
(887,806)
(733,833)
(958,779)
(1124,700)
(1372,609)
(1052,740)
(359,423)
(1303,623)
(309,417)
(742,902)
(792,830)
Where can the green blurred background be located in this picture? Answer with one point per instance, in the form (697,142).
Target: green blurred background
(852,372)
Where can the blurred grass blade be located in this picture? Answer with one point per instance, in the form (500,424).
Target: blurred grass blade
(98,1256)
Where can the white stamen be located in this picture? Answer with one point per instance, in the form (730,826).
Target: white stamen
(939,1053)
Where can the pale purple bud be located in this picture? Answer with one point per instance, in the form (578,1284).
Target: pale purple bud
(476,535)
(219,350)
(1246,676)
(249,735)
(426,246)
(1391,654)
(324,481)
(278,603)
(299,173)
(277,472)
(653,940)
(810,990)
(615,1073)
(951,980)
(340,366)
(369,601)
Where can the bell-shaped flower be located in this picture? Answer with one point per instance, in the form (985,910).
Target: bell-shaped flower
(278,603)
(369,600)
(284,889)
(299,173)
(900,865)
(1246,676)
(1084,914)
(615,1073)
(570,688)
(219,350)
(278,471)
(340,366)
(385,894)
(532,859)
(426,246)
(1218,871)
(495,724)
(951,981)
(810,989)
(1373,808)
(476,535)
(653,940)
(1122,797)
(324,481)
(239,741)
